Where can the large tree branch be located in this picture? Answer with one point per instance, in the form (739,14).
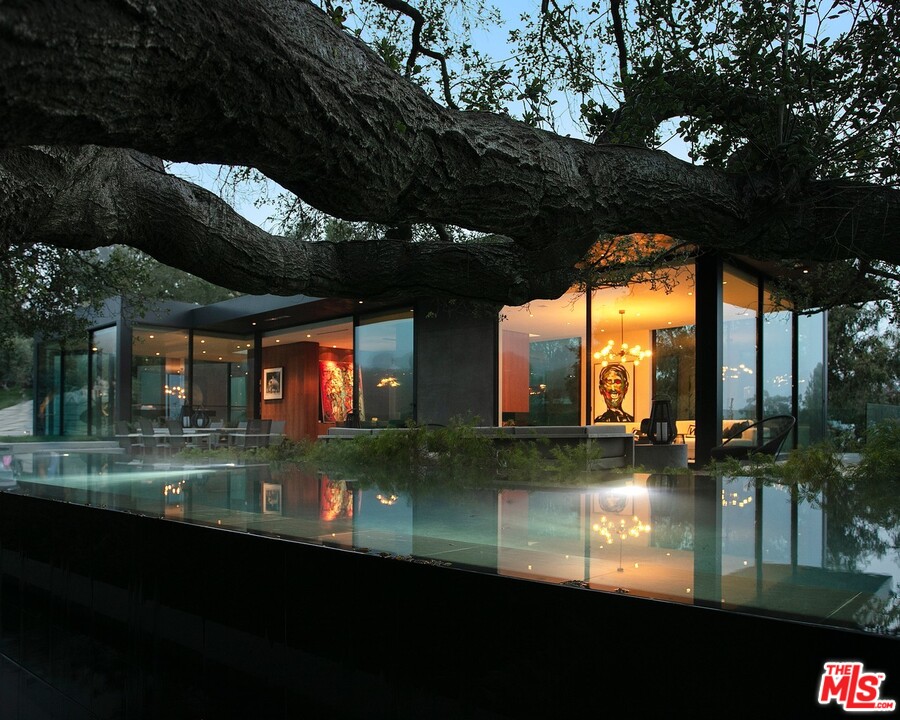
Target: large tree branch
(94,196)
(275,85)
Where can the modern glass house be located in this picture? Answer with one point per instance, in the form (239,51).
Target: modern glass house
(721,349)
(137,589)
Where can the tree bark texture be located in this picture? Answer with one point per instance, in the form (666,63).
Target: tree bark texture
(275,85)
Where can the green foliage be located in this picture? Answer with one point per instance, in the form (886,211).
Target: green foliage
(880,457)
(863,362)
(16,364)
(54,291)
(456,454)
(10,396)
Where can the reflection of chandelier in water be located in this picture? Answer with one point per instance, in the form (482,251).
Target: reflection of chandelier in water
(386,499)
(607,529)
(735,372)
(625,352)
(174,489)
(735,500)
(389,381)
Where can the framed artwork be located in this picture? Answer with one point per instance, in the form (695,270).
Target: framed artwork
(614,392)
(271,498)
(336,382)
(273,383)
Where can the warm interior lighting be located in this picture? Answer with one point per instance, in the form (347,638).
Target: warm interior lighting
(175,391)
(389,381)
(608,529)
(625,352)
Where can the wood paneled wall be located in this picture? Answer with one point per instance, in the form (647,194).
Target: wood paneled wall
(515,371)
(299,405)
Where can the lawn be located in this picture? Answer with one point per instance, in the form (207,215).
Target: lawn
(12,397)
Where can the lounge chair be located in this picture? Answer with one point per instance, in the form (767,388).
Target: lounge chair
(760,438)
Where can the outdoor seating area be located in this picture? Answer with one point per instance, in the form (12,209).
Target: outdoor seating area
(149,440)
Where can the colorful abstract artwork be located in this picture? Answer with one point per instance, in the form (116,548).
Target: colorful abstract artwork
(336,380)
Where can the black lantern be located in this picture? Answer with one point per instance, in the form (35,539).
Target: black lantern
(662,424)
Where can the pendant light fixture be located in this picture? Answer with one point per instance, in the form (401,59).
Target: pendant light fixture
(625,352)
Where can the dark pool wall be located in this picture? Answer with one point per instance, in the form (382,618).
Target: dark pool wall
(133,617)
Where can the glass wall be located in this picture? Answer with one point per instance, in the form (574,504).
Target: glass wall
(158,382)
(75,391)
(740,306)
(48,381)
(220,379)
(103,380)
(811,387)
(384,357)
(674,359)
(62,399)
(316,362)
(655,319)
(542,345)
(561,361)
(777,343)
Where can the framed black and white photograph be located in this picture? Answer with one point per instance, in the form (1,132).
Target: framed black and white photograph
(273,383)
(614,392)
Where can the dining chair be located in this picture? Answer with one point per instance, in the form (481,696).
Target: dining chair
(129,442)
(153,444)
(177,438)
(276,433)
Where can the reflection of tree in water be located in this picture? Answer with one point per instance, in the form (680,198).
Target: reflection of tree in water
(811,403)
(861,505)
(671,512)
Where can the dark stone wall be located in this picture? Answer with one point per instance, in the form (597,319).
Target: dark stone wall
(456,363)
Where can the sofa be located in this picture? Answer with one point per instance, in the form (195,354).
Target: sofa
(686,429)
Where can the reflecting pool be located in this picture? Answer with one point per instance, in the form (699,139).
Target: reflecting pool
(729,543)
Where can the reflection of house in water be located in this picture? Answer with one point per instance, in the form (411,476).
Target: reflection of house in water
(721,544)
(315,588)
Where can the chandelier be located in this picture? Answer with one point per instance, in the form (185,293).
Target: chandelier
(625,352)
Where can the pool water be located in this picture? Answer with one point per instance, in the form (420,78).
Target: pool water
(729,543)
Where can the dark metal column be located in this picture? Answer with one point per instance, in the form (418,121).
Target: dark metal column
(708,315)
